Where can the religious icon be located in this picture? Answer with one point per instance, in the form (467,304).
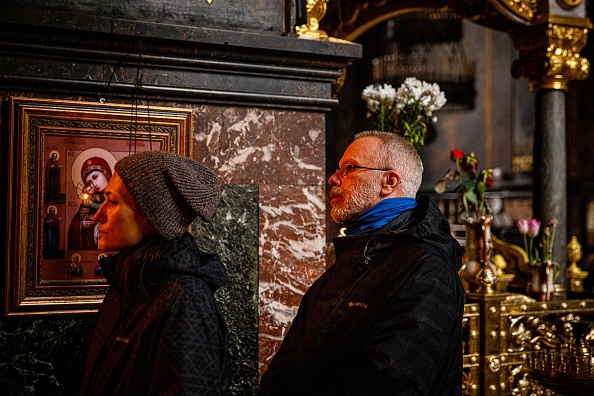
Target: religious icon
(95,173)
(62,154)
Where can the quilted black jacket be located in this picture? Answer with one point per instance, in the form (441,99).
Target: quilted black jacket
(173,342)
(385,319)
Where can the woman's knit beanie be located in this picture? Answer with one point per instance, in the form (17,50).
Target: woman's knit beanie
(170,190)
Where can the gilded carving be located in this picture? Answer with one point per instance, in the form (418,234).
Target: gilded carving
(565,44)
(569,4)
(494,364)
(339,82)
(525,9)
(316,9)
(526,327)
(534,327)
(466,382)
(470,348)
(550,56)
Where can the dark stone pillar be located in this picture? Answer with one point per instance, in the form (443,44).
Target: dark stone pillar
(550,169)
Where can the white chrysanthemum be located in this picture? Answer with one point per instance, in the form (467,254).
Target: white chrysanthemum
(379,95)
(419,99)
(428,95)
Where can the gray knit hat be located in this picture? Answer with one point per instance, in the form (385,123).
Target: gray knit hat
(170,190)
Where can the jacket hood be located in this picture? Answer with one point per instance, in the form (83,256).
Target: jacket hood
(426,223)
(180,256)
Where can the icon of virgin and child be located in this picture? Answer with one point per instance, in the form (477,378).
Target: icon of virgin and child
(95,173)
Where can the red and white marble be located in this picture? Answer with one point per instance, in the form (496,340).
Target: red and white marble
(292,242)
(283,152)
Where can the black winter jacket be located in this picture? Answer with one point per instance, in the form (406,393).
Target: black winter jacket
(385,319)
(173,342)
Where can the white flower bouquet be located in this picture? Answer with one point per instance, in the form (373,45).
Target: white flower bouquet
(407,110)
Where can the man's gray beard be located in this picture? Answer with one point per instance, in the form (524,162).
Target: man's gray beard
(359,200)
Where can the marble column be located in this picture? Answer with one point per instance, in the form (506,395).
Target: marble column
(550,169)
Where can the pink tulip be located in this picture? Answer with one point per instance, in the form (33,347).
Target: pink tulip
(533,228)
(523,226)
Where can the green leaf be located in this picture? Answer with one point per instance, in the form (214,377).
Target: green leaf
(468,185)
(471,197)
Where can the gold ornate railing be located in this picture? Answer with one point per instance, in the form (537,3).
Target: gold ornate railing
(501,330)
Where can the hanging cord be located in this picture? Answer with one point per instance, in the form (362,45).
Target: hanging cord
(148,117)
(115,69)
(134,107)
(138,86)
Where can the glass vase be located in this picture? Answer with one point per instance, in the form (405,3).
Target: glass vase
(478,272)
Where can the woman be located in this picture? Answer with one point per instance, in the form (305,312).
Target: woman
(95,174)
(159,330)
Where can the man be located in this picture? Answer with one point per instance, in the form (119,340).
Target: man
(159,329)
(386,318)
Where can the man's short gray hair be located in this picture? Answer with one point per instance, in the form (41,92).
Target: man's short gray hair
(397,153)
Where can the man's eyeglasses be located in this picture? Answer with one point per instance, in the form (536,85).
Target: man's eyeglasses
(348,168)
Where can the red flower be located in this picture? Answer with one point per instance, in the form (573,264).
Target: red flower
(470,163)
(487,175)
(456,155)
(471,186)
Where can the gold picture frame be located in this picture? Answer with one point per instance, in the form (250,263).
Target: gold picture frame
(60,154)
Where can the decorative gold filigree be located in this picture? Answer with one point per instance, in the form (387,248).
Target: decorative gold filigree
(511,329)
(550,56)
(565,44)
(471,349)
(533,327)
(466,382)
(316,9)
(525,9)
(569,4)
(494,364)
(339,82)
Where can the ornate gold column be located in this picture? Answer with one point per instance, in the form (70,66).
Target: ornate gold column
(549,40)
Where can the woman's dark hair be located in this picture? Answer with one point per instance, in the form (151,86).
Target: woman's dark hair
(138,267)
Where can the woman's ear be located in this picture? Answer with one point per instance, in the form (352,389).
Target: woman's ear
(390,182)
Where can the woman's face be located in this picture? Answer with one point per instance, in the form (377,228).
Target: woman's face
(122,224)
(96,180)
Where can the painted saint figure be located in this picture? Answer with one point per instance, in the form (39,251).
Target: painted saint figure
(51,228)
(52,177)
(75,268)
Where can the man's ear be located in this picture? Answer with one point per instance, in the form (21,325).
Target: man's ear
(390,182)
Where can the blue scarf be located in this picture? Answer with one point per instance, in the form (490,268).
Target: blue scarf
(378,215)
